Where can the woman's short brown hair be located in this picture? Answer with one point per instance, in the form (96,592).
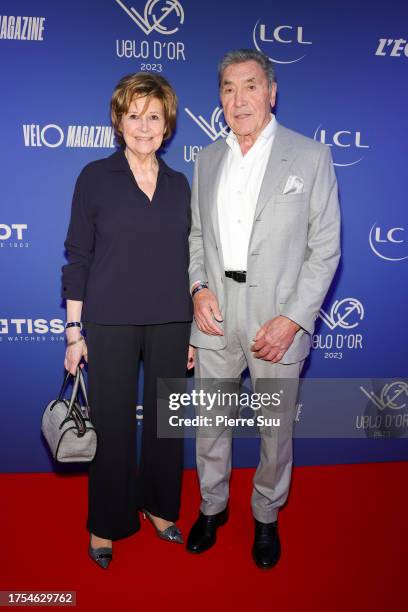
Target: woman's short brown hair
(139,85)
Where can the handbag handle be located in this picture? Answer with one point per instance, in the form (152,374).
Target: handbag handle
(78,381)
(74,393)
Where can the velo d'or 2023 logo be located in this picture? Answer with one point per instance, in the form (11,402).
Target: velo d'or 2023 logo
(386,414)
(160,16)
(344,316)
(214,127)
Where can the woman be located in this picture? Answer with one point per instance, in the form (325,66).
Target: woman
(127,280)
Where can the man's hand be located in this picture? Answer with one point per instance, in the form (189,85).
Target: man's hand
(274,338)
(206,311)
(191,357)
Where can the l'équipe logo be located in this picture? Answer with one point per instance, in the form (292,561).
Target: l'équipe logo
(71,136)
(162,18)
(392,47)
(13,235)
(31,330)
(348,145)
(386,413)
(214,127)
(342,320)
(282,43)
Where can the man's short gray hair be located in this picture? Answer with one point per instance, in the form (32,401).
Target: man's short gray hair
(245,55)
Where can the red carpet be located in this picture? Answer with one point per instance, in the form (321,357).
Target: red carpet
(344,538)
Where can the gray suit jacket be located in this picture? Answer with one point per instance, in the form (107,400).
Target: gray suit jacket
(294,246)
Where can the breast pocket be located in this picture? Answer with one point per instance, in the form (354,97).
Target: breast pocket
(291,199)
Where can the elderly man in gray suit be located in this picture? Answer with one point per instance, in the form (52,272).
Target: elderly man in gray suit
(264,247)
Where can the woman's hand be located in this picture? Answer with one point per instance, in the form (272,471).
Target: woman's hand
(74,354)
(191,357)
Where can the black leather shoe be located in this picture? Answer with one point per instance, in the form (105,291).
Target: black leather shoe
(266,549)
(203,533)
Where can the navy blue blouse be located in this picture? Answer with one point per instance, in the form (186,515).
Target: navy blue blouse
(128,257)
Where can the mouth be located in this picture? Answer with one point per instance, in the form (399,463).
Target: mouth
(242,116)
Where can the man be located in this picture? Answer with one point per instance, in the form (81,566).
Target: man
(264,247)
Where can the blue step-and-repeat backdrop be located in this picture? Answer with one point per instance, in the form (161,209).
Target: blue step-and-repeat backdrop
(342,72)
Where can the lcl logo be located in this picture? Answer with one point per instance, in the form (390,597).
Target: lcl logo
(389,244)
(342,139)
(281,34)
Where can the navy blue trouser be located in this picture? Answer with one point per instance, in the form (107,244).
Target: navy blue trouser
(118,488)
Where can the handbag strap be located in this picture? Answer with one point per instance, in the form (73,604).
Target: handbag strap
(83,388)
(74,392)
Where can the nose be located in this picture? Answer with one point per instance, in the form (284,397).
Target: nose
(240,98)
(143,124)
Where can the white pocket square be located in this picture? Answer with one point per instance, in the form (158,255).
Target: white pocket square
(294,184)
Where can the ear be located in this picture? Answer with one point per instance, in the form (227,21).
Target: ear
(272,97)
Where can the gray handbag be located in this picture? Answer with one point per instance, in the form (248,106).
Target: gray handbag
(67,427)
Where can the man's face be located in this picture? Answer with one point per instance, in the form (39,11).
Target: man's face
(246,98)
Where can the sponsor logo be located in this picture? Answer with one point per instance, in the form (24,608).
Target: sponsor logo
(13,235)
(79,136)
(31,330)
(190,152)
(346,315)
(161,16)
(386,414)
(274,41)
(388,243)
(393,396)
(392,47)
(14,27)
(342,140)
(214,128)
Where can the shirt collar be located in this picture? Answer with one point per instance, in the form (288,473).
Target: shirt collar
(268,132)
(117,162)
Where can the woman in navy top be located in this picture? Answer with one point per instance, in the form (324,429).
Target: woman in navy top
(127,282)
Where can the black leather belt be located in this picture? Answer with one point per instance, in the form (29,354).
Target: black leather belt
(239,276)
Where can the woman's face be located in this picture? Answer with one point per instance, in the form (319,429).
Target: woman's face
(143,126)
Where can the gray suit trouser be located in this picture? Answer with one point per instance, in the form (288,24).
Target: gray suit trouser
(213,448)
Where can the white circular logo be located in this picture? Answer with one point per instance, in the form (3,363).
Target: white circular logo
(388,243)
(281,35)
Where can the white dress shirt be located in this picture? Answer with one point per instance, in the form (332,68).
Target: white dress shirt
(239,186)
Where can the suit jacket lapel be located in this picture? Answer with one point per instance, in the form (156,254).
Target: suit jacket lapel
(276,168)
(215,176)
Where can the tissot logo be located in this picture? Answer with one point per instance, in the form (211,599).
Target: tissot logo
(15,231)
(13,235)
(392,47)
(14,27)
(214,128)
(79,136)
(283,44)
(348,145)
(160,16)
(31,330)
(343,316)
(389,243)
